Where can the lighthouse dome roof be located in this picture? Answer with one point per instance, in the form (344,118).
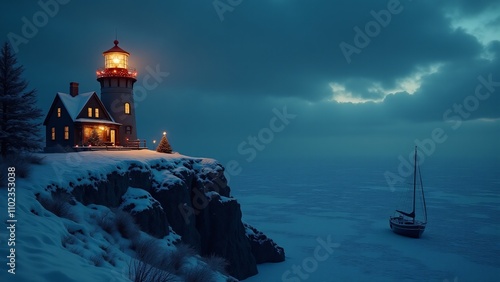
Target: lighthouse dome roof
(116,49)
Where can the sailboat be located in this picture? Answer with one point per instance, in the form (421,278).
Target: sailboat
(406,223)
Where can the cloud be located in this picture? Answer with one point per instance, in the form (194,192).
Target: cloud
(227,76)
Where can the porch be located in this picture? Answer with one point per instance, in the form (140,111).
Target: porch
(109,146)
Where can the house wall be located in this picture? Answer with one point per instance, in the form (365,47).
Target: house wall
(59,123)
(93,103)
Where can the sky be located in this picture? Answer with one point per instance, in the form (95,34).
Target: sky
(282,79)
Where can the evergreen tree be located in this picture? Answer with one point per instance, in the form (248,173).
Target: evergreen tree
(95,139)
(164,146)
(19,116)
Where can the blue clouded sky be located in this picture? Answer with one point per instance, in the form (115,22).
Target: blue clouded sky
(296,79)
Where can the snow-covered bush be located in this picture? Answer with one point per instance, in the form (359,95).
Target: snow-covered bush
(126,225)
(149,250)
(151,262)
(180,256)
(140,271)
(59,204)
(106,222)
(216,263)
(200,273)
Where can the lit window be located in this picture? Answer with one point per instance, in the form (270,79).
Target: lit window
(128,129)
(89,112)
(58,112)
(96,112)
(127,108)
(53,133)
(116,60)
(66,132)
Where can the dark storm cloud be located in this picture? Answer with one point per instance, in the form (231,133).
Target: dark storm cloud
(227,76)
(471,7)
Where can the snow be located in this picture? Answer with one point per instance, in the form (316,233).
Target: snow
(222,199)
(81,167)
(77,247)
(300,204)
(140,199)
(96,120)
(74,105)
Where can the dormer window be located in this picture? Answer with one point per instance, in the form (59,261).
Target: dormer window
(58,112)
(96,112)
(127,108)
(89,112)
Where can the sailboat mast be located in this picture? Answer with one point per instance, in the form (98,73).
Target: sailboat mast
(423,196)
(414,183)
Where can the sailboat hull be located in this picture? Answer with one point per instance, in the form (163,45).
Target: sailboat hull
(407,227)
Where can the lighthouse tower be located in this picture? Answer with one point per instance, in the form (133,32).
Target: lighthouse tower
(117,86)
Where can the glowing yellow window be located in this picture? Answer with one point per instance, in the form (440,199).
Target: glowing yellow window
(53,133)
(127,108)
(58,112)
(66,132)
(116,60)
(96,112)
(89,112)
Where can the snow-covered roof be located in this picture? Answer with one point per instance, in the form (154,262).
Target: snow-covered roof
(93,120)
(74,105)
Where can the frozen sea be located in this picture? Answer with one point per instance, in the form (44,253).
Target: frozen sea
(306,205)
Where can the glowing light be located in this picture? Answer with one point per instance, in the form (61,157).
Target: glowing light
(375,93)
(164,133)
(116,60)
(154,141)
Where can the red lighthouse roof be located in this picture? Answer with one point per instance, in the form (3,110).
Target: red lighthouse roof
(116,49)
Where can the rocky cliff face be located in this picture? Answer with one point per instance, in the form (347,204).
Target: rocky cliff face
(187,195)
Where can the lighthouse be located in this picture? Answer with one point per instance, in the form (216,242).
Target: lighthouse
(117,92)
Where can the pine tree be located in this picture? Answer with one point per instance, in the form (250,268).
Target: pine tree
(95,139)
(19,116)
(164,146)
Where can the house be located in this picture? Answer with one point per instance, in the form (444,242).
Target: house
(73,118)
(76,120)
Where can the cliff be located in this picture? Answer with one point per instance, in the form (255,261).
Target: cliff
(173,198)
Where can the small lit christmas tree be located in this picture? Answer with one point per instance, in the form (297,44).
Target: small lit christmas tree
(164,146)
(94,138)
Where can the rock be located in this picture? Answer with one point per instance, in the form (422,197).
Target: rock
(189,195)
(211,175)
(264,248)
(147,212)
(174,195)
(108,191)
(102,192)
(223,234)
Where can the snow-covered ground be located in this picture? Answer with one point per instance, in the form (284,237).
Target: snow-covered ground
(305,205)
(331,218)
(77,246)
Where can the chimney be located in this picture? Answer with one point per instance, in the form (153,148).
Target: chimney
(73,89)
